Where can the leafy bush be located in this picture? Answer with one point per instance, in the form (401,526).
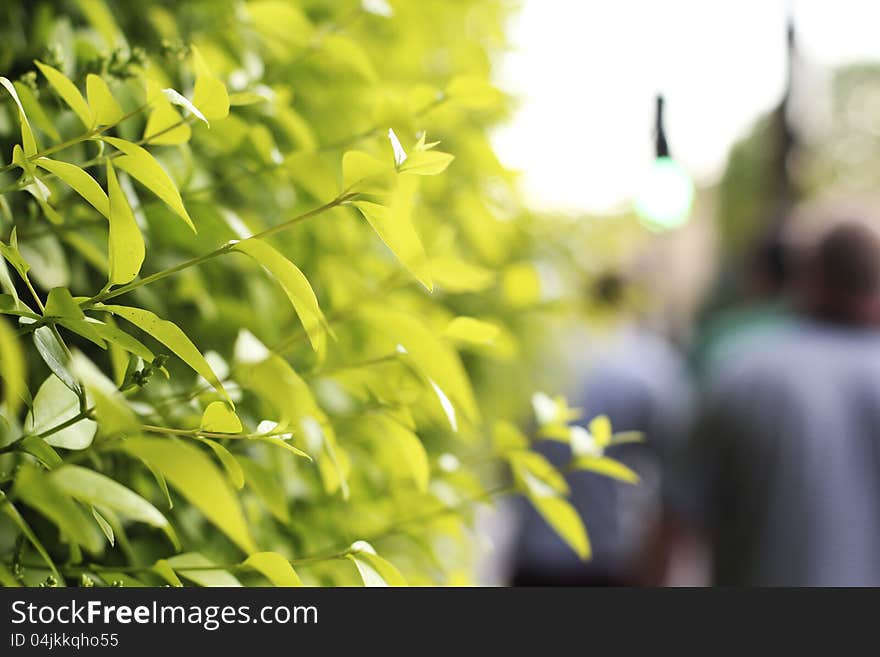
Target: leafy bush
(258,325)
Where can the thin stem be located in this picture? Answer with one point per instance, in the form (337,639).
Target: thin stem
(73,141)
(192,262)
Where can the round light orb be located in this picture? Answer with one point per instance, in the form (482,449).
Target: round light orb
(666,195)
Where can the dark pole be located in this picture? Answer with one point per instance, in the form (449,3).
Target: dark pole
(660,132)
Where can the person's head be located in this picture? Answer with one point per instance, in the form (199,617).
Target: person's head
(841,275)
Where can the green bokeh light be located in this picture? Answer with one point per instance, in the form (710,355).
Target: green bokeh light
(667,193)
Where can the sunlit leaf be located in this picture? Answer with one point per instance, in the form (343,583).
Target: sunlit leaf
(68,92)
(195,477)
(273,567)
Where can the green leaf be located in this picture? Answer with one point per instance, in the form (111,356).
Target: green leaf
(472,92)
(394,226)
(373,569)
(126,244)
(176,98)
(105,526)
(99,490)
(433,357)
(35,112)
(295,285)
(219,418)
(361,172)
(197,568)
(470,330)
(111,409)
(144,168)
(536,473)
(273,567)
(80,181)
(455,275)
(12,513)
(399,448)
(606,466)
(13,256)
(12,370)
(68,92)
(193,474)
(55,356)
(165,127)
(563,518)
(506,437)
(209,94)
(38,447)
(105,109)
(39,492)
(28,142)
(264,483)
(227,460)
(164,570)
(60,305)
(172,337)
(55,404)
(122,339)
(278,385)
(426,163)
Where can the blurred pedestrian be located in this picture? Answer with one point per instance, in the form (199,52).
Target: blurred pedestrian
(782,478)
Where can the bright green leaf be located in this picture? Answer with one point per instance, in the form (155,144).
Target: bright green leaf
(105,109)
(144,168)
(295,285)
(172,337)
(193,474)
(273,567)
(126,244)
(68,92)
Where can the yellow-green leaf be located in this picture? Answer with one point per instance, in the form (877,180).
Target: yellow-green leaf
(166,127)
(266,485)
(144,168)
(219,418)
(295,285)
(606,466)
(28,142)
(197,568)
(470,330)
(172,337)
(12,369)
(273,567)
(394,226)
(80,181)
(38,491)
(227,460)
(193,474)
(426,163)
(562,517)
(111,408)
(105,109)
(55,404)
(373,569)
(126,244)
(361,172)
(68,92)
(97,489)
(209,94)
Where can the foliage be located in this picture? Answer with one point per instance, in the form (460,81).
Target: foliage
(259,327)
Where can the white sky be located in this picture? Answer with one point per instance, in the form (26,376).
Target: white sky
(587,71)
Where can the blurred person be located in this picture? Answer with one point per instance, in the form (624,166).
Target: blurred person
(638,379)
(764,306)
(782,477)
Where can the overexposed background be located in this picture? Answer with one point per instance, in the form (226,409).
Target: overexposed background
(586,73)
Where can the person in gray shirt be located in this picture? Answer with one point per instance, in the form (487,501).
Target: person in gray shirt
(782,476)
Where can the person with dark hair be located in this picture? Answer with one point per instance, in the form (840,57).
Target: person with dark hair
(782,475)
